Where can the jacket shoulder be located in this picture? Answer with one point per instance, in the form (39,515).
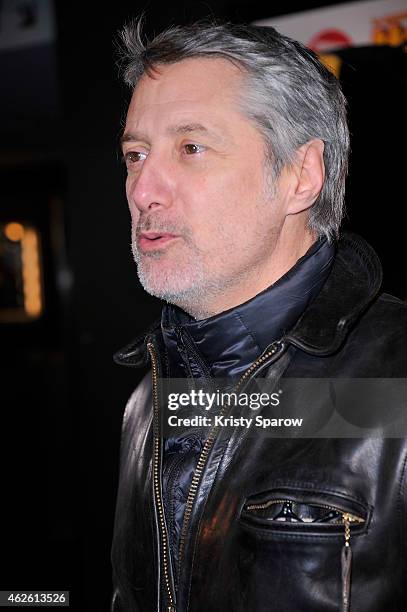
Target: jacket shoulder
(377,345)
(389,313)
(388,300)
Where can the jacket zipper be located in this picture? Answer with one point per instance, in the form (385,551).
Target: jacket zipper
(164,548)
(347,517)
(266,359)
(272,352)
(346,563)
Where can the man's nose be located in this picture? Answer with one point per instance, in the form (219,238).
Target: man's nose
(151,187)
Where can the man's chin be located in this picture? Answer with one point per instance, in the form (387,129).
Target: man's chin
(176,288)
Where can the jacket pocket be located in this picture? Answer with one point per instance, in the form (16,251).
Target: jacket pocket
(302,513)
(305,512)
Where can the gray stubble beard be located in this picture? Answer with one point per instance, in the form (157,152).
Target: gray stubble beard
(190,298)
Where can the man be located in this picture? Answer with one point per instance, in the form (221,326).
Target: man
(236,150)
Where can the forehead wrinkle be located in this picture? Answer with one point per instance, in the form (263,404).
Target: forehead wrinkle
(187,128)
(195,105)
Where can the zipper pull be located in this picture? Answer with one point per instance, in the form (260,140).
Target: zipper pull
(171,609)
(346,562)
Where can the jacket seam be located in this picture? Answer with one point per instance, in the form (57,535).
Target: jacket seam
(354,241)
(241,320)
(277,535)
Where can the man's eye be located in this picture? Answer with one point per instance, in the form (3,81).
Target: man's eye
(133,157)
(191,149)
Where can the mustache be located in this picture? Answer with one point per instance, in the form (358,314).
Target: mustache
(165,226)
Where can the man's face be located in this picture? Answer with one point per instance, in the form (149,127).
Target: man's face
(203,216)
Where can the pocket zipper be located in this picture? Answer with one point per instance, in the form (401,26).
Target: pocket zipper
(346,560)
(346,553)
(347,517)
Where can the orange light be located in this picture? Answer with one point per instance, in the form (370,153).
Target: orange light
(31,273)
(332,62)
(390,30)
(14,231)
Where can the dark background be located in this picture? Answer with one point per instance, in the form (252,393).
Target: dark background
(62,109)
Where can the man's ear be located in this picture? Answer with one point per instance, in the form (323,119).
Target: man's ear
(308,174)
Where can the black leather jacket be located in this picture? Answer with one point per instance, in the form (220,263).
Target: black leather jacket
(235,555)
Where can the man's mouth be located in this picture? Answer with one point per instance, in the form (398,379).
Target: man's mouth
(151,241)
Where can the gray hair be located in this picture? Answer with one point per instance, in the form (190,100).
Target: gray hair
(290,95)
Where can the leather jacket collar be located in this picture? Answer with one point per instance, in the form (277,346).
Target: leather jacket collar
(354,281)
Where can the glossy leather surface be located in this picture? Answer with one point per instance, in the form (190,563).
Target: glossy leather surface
(236,562)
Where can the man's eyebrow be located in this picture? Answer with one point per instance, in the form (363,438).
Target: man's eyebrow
(130,137)
(184,128)
(187,127)
(216,134)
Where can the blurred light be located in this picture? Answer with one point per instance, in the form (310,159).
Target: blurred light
(390,30)
(14,231)
(31,273)
(332,62)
